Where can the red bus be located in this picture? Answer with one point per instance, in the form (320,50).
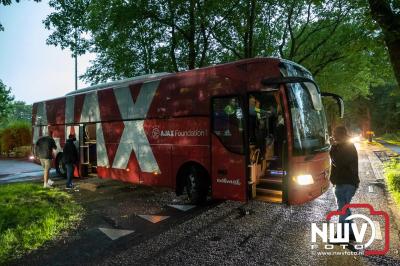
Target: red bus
(253,128)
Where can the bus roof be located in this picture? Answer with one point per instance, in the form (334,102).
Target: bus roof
(117,83)
(143,78)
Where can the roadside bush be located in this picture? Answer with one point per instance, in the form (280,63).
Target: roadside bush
(392,173)
(16,134)
(393,138)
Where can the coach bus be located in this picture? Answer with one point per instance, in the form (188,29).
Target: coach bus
(250,129)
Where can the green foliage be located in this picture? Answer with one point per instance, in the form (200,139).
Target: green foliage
(385,109)
(334,39)
(69,22)
(15,135)
(392,173)
(31,215)
(5,101)
(392,138)
(20,111)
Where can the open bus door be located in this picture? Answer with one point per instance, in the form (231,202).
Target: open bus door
(228,160)
(87,149)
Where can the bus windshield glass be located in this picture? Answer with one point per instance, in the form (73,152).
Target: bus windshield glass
(309,125)
(310,133)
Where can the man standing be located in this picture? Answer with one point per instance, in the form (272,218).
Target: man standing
(44,150)
(344,175)
(70,157)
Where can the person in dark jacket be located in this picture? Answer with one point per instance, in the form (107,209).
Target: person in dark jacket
(44,147)
(70,158)
(344,175)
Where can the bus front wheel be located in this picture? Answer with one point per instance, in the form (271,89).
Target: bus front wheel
(196,186)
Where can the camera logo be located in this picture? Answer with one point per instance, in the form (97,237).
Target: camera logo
(339,233)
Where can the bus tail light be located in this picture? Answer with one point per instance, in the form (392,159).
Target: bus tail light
(304,180)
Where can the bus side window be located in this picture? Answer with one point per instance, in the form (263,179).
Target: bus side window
(228,123)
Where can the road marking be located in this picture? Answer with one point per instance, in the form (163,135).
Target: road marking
(370,189)
(154,218)
(114,234)
(378,234)
(182,207)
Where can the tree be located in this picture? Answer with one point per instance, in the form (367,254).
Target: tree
(387,14)
(333,39)
(20,111)
(5,101)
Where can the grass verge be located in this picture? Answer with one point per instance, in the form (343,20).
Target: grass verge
(392,173)
(31,215)
(392,138)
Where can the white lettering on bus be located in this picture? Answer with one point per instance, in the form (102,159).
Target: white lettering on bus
(91,113)
(178,133)
(224,180)
(134,137)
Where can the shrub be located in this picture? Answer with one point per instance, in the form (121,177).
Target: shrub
(392,173)
(15,135)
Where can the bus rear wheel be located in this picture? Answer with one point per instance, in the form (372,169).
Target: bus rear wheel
(196,186)
(60,166)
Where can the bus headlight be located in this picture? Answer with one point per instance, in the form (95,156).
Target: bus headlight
(304,180)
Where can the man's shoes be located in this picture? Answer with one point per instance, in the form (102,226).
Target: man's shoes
(50,182)
(47,185)
(70,186)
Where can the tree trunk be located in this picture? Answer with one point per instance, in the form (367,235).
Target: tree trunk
(389,21)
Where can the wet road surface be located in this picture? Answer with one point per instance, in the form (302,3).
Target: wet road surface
(20,171)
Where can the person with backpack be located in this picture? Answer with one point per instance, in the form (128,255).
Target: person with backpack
(44,147)
(70,158)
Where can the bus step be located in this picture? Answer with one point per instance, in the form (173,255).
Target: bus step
(267,198)
(270,180)
(269,192)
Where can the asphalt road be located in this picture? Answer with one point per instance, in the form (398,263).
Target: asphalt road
(20,171)
(222,233)
(272,234)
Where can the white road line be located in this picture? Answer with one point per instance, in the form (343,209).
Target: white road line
(182,207)
(154,218)
(114,234)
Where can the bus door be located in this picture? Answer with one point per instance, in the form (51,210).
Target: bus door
(87,149)
(266,138)
(228,160)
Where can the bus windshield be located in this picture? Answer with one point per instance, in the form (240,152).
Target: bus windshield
(310,133)
(309,125)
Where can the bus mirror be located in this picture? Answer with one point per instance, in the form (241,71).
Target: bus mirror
(339,101)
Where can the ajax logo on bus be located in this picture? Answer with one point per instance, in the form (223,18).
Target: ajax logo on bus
(365,227)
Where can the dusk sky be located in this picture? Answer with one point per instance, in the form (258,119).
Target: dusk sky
(34,70)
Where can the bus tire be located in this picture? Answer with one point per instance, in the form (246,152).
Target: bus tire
(196,185)
(60,166)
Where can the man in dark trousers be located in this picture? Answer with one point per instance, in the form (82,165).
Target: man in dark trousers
(44,150)
(70,157)
(344,175)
